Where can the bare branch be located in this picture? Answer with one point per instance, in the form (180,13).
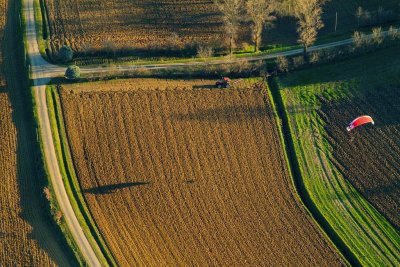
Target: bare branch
(308,14)
(260,13)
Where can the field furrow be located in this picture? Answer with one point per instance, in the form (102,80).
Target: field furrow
(181,175)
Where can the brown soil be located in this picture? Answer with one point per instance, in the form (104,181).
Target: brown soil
(369,156)
(27,238)
(132,24)
(191,176)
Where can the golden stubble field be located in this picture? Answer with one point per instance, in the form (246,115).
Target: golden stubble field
(18,245)
(175,173)
(27,237)
(125,24)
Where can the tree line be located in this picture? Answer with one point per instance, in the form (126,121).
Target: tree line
(262,13)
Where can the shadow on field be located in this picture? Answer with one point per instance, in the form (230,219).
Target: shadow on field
(207,86)
(108,189)
(50,246)
(224,114)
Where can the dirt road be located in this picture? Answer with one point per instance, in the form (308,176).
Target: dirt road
(37,65)
(42,72)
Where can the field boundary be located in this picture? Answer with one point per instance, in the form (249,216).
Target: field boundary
(18,50)
(294,168)
(53,201)
(42,27)
(285,149)
(70,180)
(129,58)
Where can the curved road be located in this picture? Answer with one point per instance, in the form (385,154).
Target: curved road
(38,74)
(41,74)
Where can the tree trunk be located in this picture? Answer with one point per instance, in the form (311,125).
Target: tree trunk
(231,45)
(256,43)
(305,50)
(256,37)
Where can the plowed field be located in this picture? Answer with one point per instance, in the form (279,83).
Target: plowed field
(353,177)
(131,24)
(369,156)
(184,175)
(27,237)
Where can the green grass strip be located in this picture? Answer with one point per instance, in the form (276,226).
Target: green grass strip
(71,182)
(42,27)
(54,206)
(363,230)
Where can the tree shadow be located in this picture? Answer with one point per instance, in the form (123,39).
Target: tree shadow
(356,69)
(224,114)
(34,208)
(207,86)
(108,189)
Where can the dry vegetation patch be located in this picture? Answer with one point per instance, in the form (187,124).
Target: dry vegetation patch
(188,176)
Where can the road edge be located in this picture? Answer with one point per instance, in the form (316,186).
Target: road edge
(71,182)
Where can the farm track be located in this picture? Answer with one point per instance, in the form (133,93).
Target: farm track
(43,71)
(192,177)
(39,81)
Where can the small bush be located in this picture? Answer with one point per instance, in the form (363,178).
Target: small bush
(282,64)
(47,194)
(298,62)
(73,72)
(377,36)
(57,217)
(393,33)
(359,39)
(173,41)
(204,51)
(65,54)
(315,57)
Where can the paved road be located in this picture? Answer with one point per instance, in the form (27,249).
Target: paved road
(50,71)
(38,65)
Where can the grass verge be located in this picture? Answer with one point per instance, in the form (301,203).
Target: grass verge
(19,51)
(303,198)
(53,204)
(293,166)
(70,179)
(42,27)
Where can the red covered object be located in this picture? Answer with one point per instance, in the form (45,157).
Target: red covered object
(360,121)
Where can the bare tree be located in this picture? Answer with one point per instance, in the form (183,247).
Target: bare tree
(377,36)
(282,63)
(393,33)
(261,15)
(359,14)
(308,14)
(231,16)
(359,39)
(204,51)
(286,7)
